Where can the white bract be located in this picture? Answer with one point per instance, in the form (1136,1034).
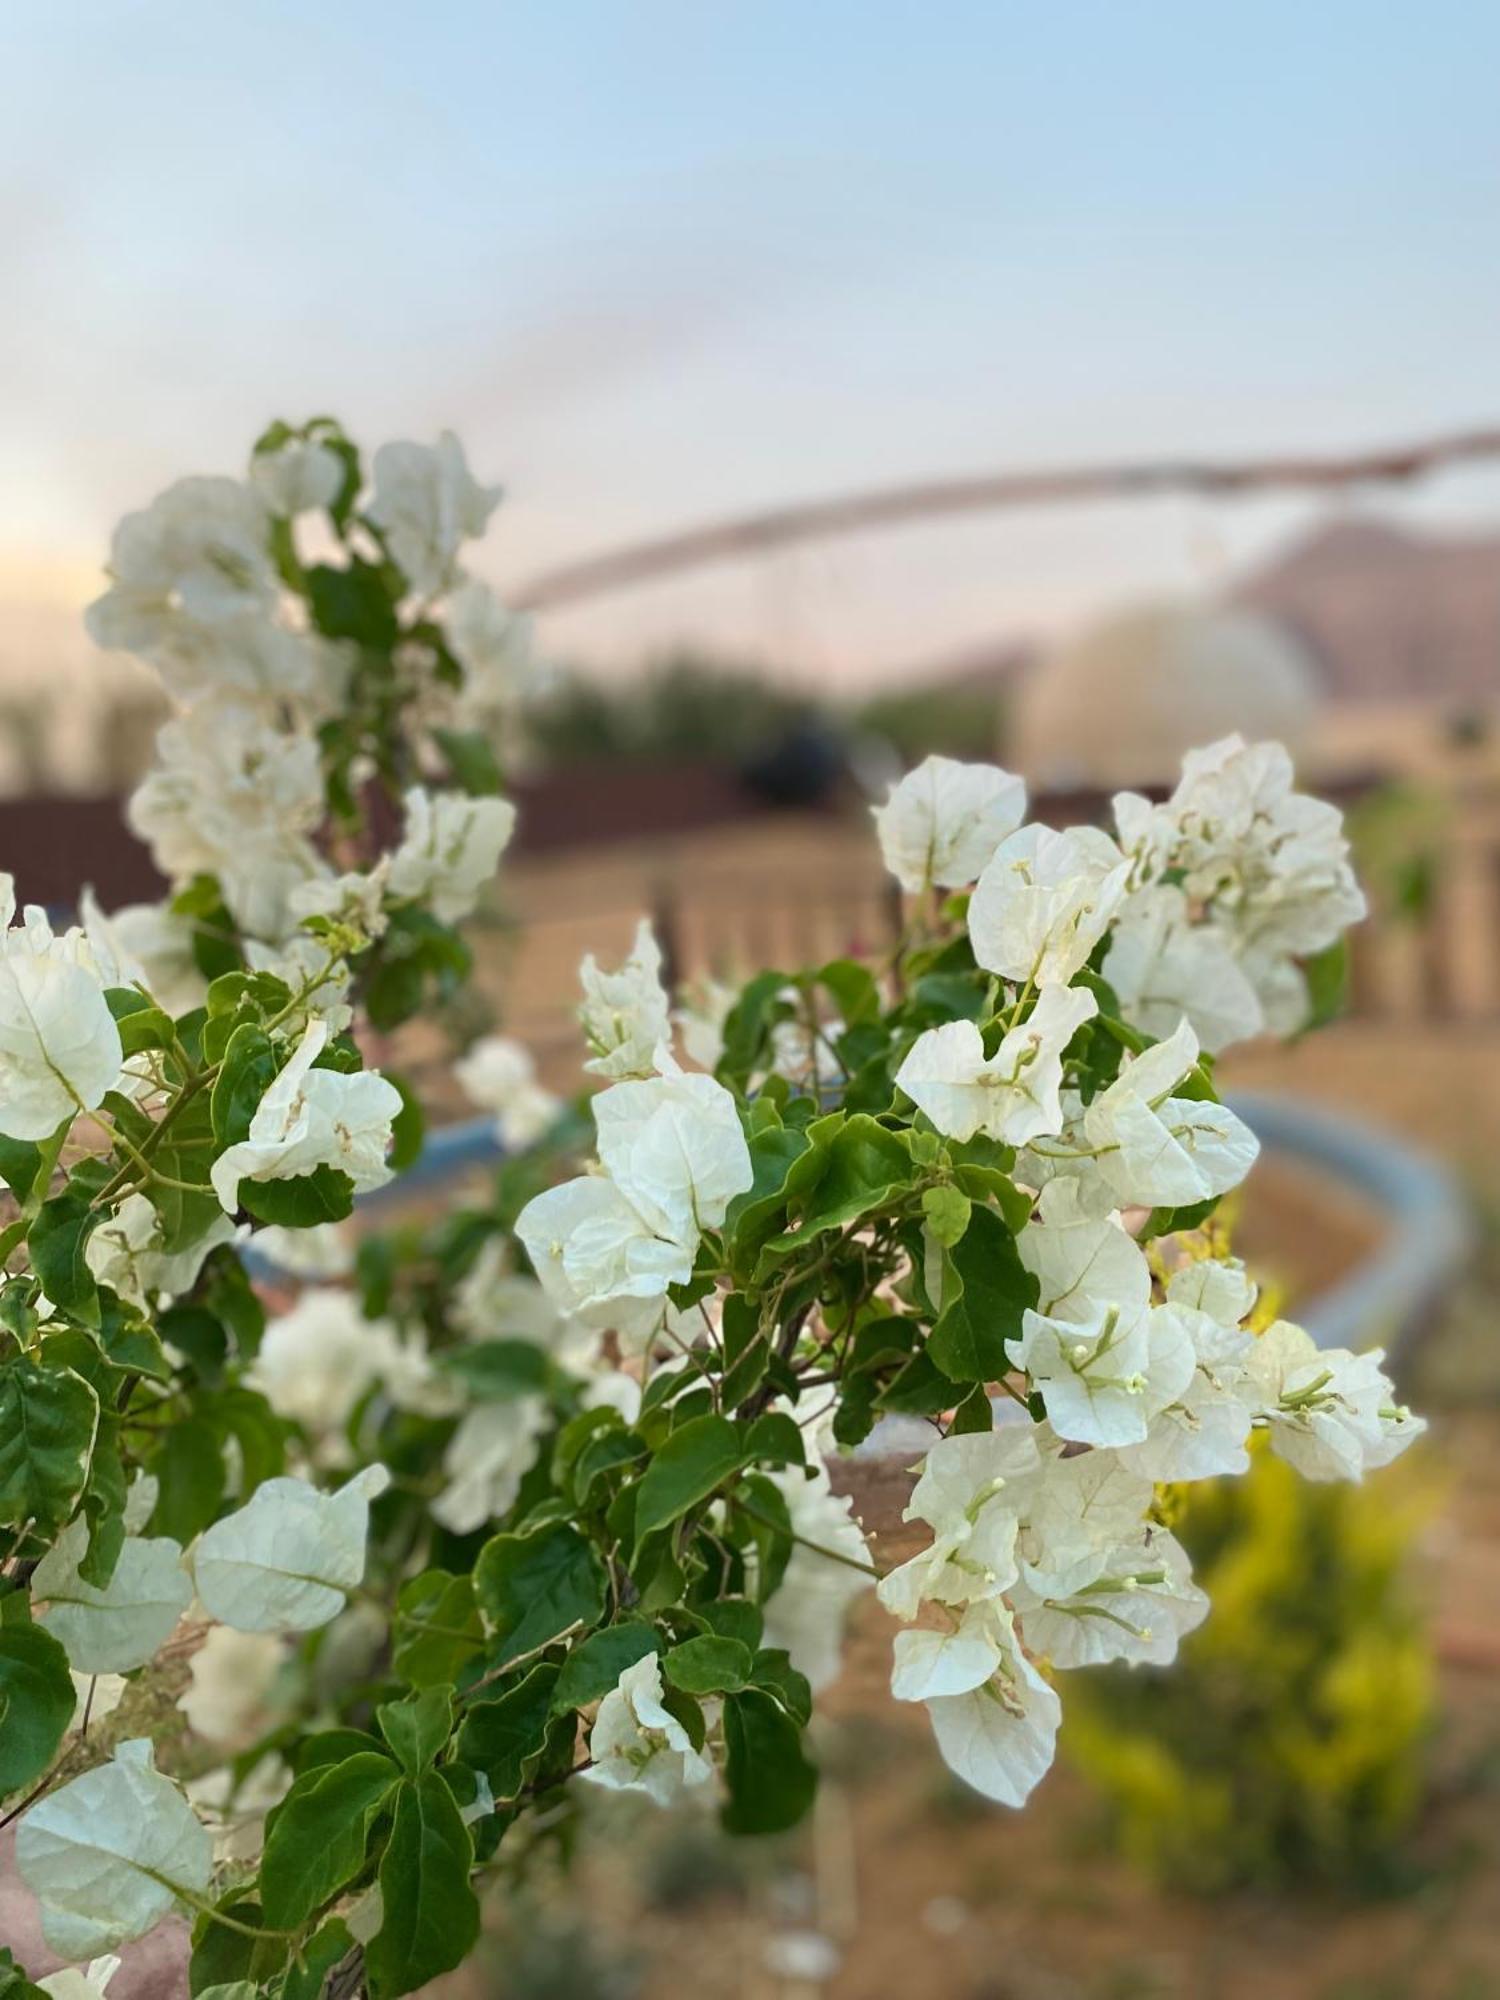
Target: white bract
(493,645)
(121,1624)
(1139,1603)
(805,1613)
(1013,1095)
(944,820)
(626,1015)
(499,1075)
(125,1252)
(229,1679)
(59,1046)
(90,1982)
(450,849)
(312,1118)
(494,1447)
(106,1854)
(234,797)
(297,477)
(427,504)
(318,1359)
(1165,969)
(1159,1151)
(1330,1413)
(286,1560)
(638,1745)
(1044,901)
(606,1247)
(1104,1378)
(1000,1736)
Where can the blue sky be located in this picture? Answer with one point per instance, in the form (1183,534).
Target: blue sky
(656,262)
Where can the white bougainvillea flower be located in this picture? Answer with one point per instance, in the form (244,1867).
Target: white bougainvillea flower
(105,1855)
(674,1146)
(1082,1262)
(230,1680)
(312,1118)
(285,1561)
(1001,1736)
(202,548)
(59,1046)
(499,1075)
(124,1623)
(805,1613)
(1044,901)
(933,1661)
(1013,1095)
(1138,1606)
(626,1015)
(318,1359)
(1082,1505)
(125,1252)
(1331,1414)
(355,898)
(153,946)
(972,1493)
(234,1808)
(706,1006)
(90,1982)
(1161,1151)
(1204,1431)
(297,477)
(1165,969)
(494,1447)
(324,1251)
(1221,1287)
(450,849)
(427,504)
(943,821)
(494,1301)
(1103,1378)
(493,645)
(233,797)
(638,1745)
(597,1260)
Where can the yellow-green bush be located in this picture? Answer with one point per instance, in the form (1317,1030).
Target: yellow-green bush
(1288,1745)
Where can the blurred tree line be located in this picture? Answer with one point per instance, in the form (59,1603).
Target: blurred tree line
(691,705)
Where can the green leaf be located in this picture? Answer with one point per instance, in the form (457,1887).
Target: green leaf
(695,1460)
(947,1210)
(200,1335)
(418,1728)
(752,1216)
(250,1066)
(14,1985)
(986,1290)
(325,1195)
(408,1127)
(316,1837)
(471,759)
(709,1665)
(37,1698)
(57,1243)
(431,1914)
(775,1674)
(503,1737)
(1327,976)
(497,1371)
(775,1439)
(307,1974)
(437,1628)
(20,1163)
(597,1662)
(223,1957)
(769,1779)
(144,1027)
(191,1471)
(973,1413)
(47,1423)
(862,1165)
(104,1507)
(733,1618)
(352,603)
(532,1588)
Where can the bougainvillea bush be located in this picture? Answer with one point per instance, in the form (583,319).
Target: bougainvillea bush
(309,1624)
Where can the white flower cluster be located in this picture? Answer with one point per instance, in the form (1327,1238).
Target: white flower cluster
(673,1155)
(1211,899)
(202,590)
